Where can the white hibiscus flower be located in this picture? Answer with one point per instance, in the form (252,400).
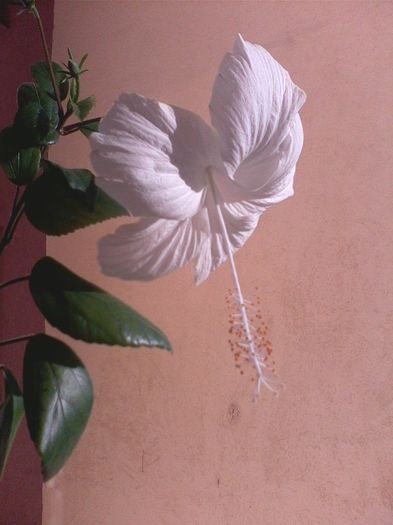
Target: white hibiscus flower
(199,190)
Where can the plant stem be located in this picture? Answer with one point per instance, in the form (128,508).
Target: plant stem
(18,216)
(18,208)
(14,281)
(75,127)
(15,198)
(16,339)
(36,15)
(66,116)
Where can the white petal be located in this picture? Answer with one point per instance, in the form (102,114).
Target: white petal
(151,248)
(254,108)
(152,157)
(148,249)
(277,169)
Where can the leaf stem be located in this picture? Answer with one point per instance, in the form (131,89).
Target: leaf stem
(15,198)
(16,339)
(78,125)
(14,281)
(18,208)
(36,15)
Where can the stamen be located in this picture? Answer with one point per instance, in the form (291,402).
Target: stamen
(251,337)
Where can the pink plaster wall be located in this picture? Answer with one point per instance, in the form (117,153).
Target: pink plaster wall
(175,440)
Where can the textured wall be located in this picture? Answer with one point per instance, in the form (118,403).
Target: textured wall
(175,440)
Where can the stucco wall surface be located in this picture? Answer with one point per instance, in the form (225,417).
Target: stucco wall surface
(175,439)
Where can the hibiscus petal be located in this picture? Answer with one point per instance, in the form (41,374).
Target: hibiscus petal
(151,248)
(278,182)
(148,248)
(254,108)
(152,157)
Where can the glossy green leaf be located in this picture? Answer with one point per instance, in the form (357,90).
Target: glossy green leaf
(90,127)
(84,311)
(37,117)
(20,165)
(58,398)
(11,413)
(63,200)
(41,76)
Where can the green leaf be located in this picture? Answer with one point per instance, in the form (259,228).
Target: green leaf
(20,165)
(11,413)
(84,311)
(41,76)
(37,117)
(89,127)
(27,92)
(83,107)
(58,398)
(83,60)
(63,200)
(23,167)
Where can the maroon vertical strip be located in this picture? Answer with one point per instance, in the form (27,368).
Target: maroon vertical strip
(21,487)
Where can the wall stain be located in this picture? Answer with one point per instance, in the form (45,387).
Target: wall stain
(233,413)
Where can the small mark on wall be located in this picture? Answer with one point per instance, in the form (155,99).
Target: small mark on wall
(147,460)
(233,413)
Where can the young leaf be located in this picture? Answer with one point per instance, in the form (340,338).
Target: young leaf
(63,200)
(83,107)
(20,165)
(41,76)
(74,90)
(37,117)
(84,311)
(11,413)
(58,398)
(88,128)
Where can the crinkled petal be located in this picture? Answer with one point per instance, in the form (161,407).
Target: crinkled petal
(213,251)
(152,157)
(254,108)
(278,184)
(148,248)
(151,248)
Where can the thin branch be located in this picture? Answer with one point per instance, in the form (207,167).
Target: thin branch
(66,116)
(15,198)
(78,125)
(36,14)
(17,212)
(15,223)
(16,339)
(14,281)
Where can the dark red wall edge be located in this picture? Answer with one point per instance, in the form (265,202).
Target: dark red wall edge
(21,487)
